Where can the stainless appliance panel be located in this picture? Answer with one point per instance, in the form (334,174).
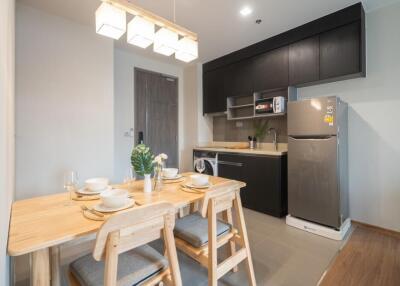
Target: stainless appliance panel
(313,180)
(309,117)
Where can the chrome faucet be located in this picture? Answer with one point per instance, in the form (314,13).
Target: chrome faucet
(274,140)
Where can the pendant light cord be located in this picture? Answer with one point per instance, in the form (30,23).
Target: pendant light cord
(174,11)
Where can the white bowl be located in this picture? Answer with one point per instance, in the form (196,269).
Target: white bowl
(96,184)
(170,172)
(199,180)
(114,198)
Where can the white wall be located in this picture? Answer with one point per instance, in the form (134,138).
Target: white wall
(190,126)
(124,64)
(374,128)
(204,123)
(7,14)
(64,102)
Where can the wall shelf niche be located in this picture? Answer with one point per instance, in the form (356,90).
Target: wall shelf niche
(244,107)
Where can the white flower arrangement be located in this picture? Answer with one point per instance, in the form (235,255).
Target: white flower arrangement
(159,159)
(159,164)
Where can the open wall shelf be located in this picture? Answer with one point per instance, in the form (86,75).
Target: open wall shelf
(244,107)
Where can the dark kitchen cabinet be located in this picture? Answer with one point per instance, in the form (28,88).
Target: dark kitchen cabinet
(270,70)
(237,79)
(328,49)
(304,61)
(340,52)
(214,99)
(265,178)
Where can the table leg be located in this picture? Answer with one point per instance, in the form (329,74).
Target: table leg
(40,268)
(55,266)
(193,207)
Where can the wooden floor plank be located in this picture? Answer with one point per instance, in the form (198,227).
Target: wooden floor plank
(369,258)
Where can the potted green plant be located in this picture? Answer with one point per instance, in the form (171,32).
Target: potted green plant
(142,160)
(260,129)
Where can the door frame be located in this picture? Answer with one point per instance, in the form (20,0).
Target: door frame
(135,69)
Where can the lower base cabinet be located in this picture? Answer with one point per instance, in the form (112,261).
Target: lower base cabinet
(266,179)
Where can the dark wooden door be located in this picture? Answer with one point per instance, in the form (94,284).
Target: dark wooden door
(271,70)
(340,51)
(214,99)
(156,112)
(304,61)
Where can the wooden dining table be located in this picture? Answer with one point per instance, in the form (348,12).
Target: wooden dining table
(40,225)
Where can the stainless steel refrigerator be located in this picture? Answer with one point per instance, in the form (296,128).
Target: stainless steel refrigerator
(317,160)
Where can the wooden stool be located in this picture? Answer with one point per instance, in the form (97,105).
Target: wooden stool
(200,234)
(124,237)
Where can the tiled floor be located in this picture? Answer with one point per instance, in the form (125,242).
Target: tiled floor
(282,255)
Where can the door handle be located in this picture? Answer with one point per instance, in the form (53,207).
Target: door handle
(312,138)
(230,163)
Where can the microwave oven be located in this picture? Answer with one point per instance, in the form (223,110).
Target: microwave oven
(271,105)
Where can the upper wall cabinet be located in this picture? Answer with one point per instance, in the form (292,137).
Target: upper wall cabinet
(340,52)
(214,99)
(237,79)
(304,61)
(328,49)
(271,70)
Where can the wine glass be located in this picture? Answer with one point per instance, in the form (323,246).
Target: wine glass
(129,176)
(200,166)
(71,182)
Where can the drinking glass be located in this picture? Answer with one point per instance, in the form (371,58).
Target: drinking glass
(71,182)
(200,166)
(129,177)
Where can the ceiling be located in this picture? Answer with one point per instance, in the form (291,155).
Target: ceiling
(220,27)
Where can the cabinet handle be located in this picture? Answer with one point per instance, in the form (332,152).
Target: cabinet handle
(230,163)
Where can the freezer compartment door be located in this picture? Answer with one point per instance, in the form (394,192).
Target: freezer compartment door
(313,192)
(316,116)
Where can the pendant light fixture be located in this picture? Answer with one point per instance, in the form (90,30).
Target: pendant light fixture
(110,21)
(187,50)
(170,38)
(140,32)
(165,42)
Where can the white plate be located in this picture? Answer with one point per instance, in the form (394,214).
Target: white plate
(102,208)
(85,191)
(173,178)
(191,186)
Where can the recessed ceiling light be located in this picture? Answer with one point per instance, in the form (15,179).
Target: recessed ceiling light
(245,11)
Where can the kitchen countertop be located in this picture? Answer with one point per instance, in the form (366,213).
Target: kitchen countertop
(258,151)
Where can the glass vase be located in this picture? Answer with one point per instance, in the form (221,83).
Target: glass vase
(158,182)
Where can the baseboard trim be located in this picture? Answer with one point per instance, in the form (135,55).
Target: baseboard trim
(377,228)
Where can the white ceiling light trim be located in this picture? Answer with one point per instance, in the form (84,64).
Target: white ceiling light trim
(187,50)
(165,42)
(110,21)
(140,32)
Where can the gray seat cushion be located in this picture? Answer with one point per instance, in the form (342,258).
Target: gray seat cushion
(193,229)
(134,267)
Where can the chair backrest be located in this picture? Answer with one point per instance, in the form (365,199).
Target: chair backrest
(135,227)
(222,194)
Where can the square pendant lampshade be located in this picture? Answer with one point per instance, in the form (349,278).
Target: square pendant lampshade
(187,50)
(110,21)
(165,42)
(140,32)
